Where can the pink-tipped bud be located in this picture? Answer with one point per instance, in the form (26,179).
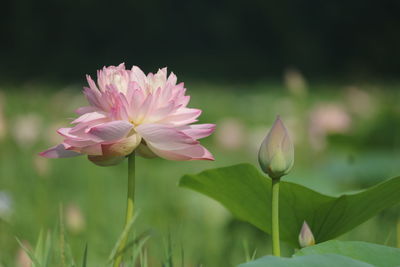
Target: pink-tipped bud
(306,237)
(276,155)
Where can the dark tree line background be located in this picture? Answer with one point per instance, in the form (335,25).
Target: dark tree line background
(226,40)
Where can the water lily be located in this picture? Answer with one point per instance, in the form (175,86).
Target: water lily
(130,111)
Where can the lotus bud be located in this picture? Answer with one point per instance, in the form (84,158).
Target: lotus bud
(276,154)
(306,237)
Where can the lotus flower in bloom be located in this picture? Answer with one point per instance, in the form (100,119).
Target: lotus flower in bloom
(129,111)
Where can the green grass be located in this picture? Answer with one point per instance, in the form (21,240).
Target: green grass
(368,152)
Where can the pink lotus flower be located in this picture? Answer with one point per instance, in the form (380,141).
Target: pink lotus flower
(130,111)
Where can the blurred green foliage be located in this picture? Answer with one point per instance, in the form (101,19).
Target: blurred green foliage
(346,137)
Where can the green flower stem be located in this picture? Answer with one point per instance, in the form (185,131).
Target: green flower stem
(129,206)
(276,250)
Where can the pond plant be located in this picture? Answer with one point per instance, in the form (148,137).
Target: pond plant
(305,219)
(130,113)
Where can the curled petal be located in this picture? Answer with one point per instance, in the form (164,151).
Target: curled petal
(198,131)
(76,138)
(59,151)
(83,110)
(111,131)
(193,152)
(170,143)
(96,115)
(164,137)
(92,149)
(182,117)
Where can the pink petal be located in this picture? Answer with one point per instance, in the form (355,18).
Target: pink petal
(66,132)
(171,143)
(58,151)
(144,109)
(83,110)
(136,98)
(84,142)
(162,112)
(182,116)
(90,117)
(111,131)
(80,143)
(81,128)
(95,150)
(164,137)
(77,138)
(91,83)
(93,97)
(198,131)
(121,107)
(194,152)
(138,76)
(172,79)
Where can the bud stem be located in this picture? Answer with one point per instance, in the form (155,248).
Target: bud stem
(276,250)
(129,205)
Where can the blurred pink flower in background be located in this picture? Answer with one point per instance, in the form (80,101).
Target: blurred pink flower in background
(328,118)
(130,111)
(295,82)
(41,166)
(26,129)
(361,102)
(49,135)
(71,92)
(231,134)
(74,218)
